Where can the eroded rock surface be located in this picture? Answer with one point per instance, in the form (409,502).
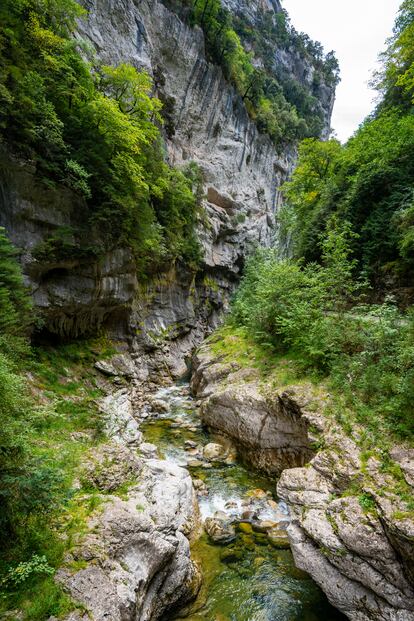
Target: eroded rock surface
(209,125)
(350,529)
(270,429)
(136,556)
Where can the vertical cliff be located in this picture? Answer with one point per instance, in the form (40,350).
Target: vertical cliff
(207,123)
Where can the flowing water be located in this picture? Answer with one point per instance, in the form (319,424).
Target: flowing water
(248,579)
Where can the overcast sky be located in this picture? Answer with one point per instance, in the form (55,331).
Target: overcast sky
(356,30)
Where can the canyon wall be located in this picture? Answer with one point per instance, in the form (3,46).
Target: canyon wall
(208,124)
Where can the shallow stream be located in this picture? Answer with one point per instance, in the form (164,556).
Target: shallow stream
(250,578)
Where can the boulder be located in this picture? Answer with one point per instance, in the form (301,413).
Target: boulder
(137,550)
(214,452)
(219,530)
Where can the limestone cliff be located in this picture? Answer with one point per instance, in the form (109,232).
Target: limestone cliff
(208,123)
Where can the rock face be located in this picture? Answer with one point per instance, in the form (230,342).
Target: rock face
(136,557)
(209,125)
(357,546)
(349,529)
(270,431)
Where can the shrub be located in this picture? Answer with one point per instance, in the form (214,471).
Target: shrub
(313,314)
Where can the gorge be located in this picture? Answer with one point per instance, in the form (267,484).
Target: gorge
(152,437)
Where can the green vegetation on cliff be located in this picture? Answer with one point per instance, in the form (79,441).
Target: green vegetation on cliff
(279,103)
(48,421)
(314,315)
(369,181)
(95,129)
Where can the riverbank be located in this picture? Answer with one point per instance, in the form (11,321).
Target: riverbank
(350,500)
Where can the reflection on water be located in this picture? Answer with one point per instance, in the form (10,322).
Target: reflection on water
(249,579)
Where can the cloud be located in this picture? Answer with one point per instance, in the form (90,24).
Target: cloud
(357,31)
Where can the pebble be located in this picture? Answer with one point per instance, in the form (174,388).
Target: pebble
(190,444)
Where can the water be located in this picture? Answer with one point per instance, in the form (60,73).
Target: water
(249,579)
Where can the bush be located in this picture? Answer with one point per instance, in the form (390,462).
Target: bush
(313,314)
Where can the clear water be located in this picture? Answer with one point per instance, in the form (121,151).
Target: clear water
(249,579)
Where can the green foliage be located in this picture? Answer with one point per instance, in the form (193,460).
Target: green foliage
(27,569)
(14,301)
(38,454)
(95,129)
(313,314)
(367,182)
(282,107)
(26,484)
(367,503)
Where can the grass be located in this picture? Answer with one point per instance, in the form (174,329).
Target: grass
(234,344)
(69,427)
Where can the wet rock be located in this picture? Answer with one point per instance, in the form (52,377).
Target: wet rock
(264,526)
(149,451)
(278,538)
(231,555)
(245,527)
(249,515)
(219,530)
(195,463)
(214,452)
(190,444)
(158,405)
(230,504)
(273,504)
(257,493)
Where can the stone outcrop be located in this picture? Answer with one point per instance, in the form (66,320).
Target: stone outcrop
(270,431)
(351,525)
(135,560)
(352,532)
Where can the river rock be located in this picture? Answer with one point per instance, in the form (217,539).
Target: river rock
(214,452)
(148,450)
(139,550)
(158,405)
(190,444)
(263,526)
(278,538)
(219,530)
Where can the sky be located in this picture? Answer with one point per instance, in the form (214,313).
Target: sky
(357,31)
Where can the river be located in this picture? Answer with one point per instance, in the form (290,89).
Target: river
(250,578)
